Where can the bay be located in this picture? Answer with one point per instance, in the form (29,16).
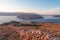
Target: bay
(4,19)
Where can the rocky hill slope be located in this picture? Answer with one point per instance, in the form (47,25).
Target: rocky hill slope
(29,31)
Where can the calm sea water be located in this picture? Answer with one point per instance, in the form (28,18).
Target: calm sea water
(4,19)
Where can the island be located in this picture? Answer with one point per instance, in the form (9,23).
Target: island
(29,16)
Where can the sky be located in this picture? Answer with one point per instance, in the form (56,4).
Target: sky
(34,6)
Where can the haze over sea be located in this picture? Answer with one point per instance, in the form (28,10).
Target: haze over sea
(46,7)
(4,19)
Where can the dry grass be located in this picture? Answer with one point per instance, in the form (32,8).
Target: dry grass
(42,31)
(7,33)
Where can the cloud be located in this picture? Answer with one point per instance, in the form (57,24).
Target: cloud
(55,11)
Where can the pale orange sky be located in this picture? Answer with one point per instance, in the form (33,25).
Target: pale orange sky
(34,6)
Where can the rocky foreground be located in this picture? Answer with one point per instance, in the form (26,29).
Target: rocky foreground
(29,31)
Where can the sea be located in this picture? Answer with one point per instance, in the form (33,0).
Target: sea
(4,19)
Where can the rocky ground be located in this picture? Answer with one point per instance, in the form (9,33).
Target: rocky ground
(29,31)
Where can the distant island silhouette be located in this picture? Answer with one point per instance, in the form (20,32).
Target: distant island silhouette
(29,16)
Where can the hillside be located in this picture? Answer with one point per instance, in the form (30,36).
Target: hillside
(29,31)
(29,16)
(56,16)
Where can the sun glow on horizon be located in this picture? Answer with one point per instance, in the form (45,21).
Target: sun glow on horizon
(29,6)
